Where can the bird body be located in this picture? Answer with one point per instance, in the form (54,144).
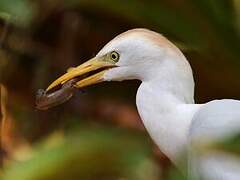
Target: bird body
(170,124)
(215,122)
(165,99)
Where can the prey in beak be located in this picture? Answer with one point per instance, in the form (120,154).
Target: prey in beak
(88,73)
(93,71)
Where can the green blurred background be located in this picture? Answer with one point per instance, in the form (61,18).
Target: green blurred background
(98,133)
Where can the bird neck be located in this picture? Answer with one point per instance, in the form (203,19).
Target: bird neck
(166,116)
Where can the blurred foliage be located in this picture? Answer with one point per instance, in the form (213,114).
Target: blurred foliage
(17,11)
(40,39)
(230,145)
(87,154)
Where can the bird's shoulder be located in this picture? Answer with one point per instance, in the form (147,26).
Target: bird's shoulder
(216,119)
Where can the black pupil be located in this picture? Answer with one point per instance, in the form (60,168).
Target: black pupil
(114,56)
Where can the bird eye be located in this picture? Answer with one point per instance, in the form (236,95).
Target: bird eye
(114,56)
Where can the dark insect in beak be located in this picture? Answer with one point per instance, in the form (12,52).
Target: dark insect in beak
(46,100)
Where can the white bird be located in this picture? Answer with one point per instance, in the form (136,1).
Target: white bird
(165,100)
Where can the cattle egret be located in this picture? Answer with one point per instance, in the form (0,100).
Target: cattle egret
(165,99)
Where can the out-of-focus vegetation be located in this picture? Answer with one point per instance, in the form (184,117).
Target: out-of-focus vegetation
(40,39)
(88,154)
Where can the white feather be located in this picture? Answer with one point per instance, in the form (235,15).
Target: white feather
(165,101)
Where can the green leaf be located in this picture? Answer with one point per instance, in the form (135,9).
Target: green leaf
(17,11)
(94,154)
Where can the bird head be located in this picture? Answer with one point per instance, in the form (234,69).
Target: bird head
(135,54)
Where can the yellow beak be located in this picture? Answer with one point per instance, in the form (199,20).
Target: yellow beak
(94,64)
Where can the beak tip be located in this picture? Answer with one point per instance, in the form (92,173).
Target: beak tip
(50,87)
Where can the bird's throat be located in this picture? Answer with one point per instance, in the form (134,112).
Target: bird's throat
(166,118)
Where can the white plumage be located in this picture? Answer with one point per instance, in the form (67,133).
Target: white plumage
(165,101)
